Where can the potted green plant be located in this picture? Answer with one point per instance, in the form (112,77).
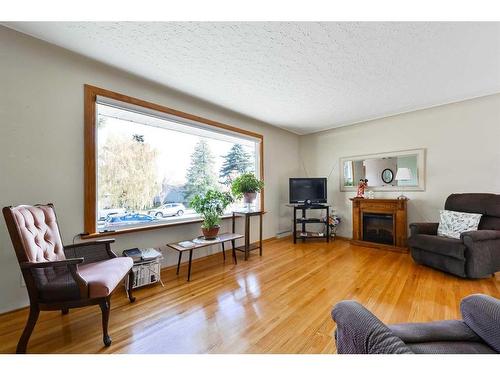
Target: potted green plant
(246,186)
(211,206)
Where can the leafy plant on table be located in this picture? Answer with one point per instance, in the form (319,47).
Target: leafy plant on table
(246,183)
(211,206)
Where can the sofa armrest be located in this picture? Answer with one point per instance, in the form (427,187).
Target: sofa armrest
(424,228)
(440,330)
(361,332)
(482,314)
(482,252)
(480,235)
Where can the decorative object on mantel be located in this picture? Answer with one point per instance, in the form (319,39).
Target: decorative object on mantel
(362,185)
(370,194)
(380,223)
(403,174)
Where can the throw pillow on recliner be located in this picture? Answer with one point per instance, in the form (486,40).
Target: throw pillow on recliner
(453,223)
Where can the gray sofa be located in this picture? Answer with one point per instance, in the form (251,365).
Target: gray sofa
(476,254)
(361,332)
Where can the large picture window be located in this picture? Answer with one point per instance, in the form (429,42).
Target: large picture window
(150,161)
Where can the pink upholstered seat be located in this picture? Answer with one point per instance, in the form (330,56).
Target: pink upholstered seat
(103,277)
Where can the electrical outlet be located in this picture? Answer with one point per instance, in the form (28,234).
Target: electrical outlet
(23,284)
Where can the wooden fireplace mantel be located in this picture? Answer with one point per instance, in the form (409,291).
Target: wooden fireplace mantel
(395,207)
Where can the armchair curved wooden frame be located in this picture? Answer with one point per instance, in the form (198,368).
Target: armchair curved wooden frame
(67,287)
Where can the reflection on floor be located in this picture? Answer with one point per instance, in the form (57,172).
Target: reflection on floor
(277,303)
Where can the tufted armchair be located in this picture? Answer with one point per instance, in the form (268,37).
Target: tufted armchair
(62,277)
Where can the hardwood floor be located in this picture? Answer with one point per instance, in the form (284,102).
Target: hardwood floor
(277,303)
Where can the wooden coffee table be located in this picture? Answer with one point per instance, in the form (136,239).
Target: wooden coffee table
(198,243)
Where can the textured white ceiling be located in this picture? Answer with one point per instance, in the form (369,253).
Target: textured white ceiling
(303,77)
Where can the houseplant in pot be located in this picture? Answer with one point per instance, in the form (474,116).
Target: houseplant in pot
(211,206)
(247,186)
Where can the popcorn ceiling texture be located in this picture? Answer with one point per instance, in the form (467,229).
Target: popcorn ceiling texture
(304,77)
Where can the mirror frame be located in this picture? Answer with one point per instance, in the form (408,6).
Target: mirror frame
(420,152)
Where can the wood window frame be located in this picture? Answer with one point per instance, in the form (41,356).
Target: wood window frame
(90,156)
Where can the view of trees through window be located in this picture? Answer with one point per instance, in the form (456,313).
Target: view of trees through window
(150,168)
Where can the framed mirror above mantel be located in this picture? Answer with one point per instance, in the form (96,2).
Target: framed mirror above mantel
(389,171)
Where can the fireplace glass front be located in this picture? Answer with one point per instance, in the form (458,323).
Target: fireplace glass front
(378,228)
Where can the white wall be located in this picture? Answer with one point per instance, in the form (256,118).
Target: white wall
(41,145)
(463,153)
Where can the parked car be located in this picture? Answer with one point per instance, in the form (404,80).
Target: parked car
(127,219)
(105,212)
(168,209)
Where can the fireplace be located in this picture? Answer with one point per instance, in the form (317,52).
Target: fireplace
(378,228)
(379,223)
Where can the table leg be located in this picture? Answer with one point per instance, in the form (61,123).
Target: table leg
(294,225)
(327,224)
(223,251)
(303,224)
(179,262)
(260,235)
(247,236)
(189,266)
(233,243)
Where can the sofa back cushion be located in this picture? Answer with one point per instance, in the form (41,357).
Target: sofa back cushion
(480,203)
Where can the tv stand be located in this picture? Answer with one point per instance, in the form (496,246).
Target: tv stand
(303,220)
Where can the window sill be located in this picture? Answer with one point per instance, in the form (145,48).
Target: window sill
(118,232)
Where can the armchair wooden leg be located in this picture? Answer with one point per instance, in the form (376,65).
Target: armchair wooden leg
(105,307)
(130,286)
(30,324)
(65,311)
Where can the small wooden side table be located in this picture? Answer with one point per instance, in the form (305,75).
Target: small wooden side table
(221,238)
(247,214)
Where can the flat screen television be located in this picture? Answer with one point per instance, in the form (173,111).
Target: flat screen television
(313,189)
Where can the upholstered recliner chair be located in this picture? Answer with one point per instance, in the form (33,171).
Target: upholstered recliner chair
(476,254)
(62,277)
(360,332)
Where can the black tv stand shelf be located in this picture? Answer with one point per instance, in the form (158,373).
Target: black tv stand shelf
(302,220)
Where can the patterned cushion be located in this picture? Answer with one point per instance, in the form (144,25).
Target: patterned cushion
(452,223)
